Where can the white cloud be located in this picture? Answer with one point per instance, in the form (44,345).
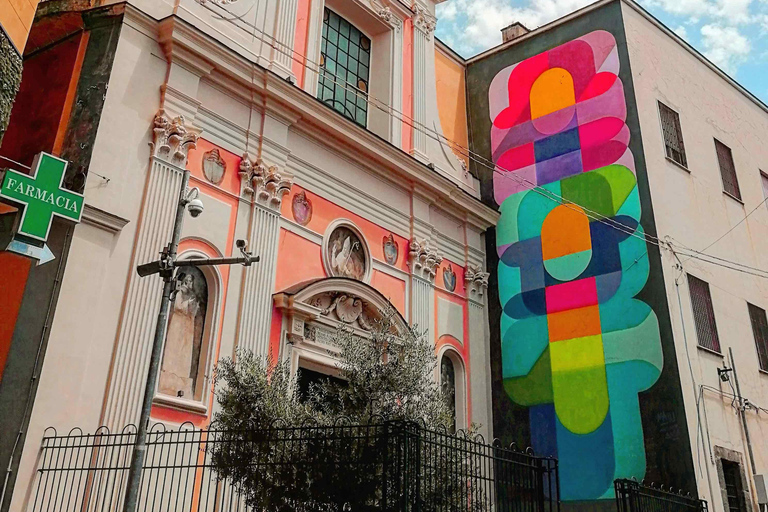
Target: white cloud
(682,32)
(482,20)
(725,46)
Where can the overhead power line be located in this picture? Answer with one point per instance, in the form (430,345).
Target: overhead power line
(310,65)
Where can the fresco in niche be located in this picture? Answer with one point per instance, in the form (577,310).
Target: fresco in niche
(184,338)
(346,254)
(390,248)
(576,346)
(214,166)
(448,386)
(301,207)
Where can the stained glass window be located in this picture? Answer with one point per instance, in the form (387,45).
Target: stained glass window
(344,68)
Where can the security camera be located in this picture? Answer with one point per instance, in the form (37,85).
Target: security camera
(195,207)
(241,244)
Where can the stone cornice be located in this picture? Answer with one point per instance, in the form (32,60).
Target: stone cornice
(239,77)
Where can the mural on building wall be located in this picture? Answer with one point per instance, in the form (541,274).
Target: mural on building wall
(577,346)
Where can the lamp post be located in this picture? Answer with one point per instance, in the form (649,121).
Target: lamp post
(189,200)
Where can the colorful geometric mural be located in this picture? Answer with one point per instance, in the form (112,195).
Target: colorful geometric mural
(577,347)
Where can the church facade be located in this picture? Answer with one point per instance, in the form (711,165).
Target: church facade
(314,132)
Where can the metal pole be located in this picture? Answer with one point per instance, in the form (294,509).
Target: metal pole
(140,446)
(743,412)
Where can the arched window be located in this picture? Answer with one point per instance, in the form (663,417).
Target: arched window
(453,380)
(448,385)
(185,354)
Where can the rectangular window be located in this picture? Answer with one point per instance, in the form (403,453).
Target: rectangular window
(345,61)
(673,135)
(727,170)
(760,330)
(703,314)
(733,490)
(764,181)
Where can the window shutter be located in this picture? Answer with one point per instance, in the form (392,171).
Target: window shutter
(727,170)
(703,314)
(673,135)
(760,330)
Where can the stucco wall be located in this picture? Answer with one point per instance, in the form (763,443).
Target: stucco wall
(692,209)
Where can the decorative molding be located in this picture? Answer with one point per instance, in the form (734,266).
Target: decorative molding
(387,14)
(476,280)
(214,166)
(424,259)
(172,140)
(332,260)
(103,219)
(267,184)
(216,2)
(423,20)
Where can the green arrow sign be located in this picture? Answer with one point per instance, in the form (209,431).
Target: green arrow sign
(43,196)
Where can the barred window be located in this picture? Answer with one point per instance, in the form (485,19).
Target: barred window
(673,135)
(727,170)
(703,314)
(345,68)
(760,330)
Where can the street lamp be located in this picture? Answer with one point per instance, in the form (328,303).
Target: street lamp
(189,199)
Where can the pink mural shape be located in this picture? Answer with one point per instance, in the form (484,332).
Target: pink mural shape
(578,134)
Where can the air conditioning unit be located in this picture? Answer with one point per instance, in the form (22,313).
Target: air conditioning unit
(762,491)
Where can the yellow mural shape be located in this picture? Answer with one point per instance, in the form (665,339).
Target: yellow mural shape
(552,91)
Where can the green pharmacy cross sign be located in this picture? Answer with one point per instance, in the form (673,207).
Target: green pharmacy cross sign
(43,196)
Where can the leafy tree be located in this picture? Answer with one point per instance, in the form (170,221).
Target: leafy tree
(344,446)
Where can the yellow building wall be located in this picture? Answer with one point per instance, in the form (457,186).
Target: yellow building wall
(452,101)
(16,19)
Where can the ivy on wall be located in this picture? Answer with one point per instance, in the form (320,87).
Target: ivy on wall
(10,78)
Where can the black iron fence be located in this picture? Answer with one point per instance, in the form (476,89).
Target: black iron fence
(388,467)
(632,496)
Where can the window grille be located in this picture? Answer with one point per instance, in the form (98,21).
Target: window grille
(345,68)
(733,489)
(673,135)
(759,322)
(703,314)
(727,170)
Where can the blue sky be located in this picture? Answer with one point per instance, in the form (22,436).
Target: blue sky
(731,33)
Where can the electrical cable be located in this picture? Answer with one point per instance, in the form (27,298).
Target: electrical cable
(478,159)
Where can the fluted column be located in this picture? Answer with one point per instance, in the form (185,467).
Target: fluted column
(424,259)
(424,25)
(479,349)
(267,186)
(285,31)
(170,146)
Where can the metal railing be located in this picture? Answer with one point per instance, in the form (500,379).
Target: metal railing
(389,466)
(633,496)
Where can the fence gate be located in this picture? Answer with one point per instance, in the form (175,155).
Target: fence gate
(632,496)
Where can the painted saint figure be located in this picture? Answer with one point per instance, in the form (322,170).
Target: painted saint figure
(183,341)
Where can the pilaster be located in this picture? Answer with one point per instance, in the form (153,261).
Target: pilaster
(476,281)
(424,26)
(267,186)
(171,141)
(424,260)
(285,29)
